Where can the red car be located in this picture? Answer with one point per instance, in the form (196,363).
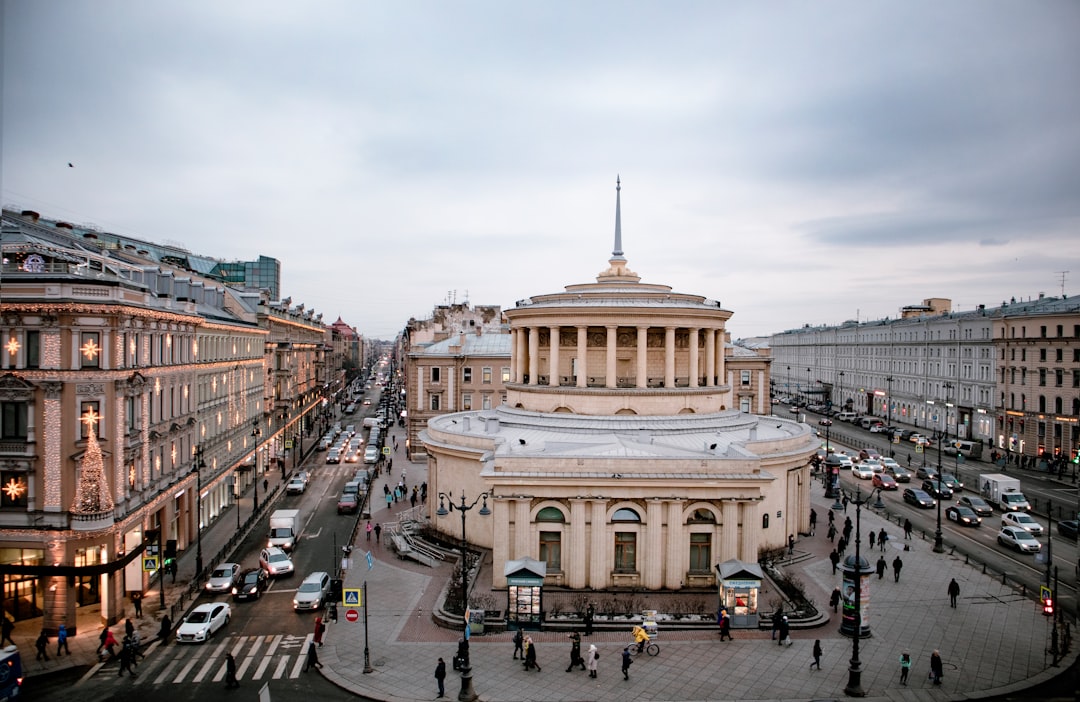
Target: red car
(884,481)
(348,503)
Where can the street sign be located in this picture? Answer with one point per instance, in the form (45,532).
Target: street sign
(386,450)
(351,597)
(149,564)
(370,560)
(352,615)
(288,443)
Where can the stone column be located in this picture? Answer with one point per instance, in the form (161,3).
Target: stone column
(720,366)
(523,540)
(575,545)
(582,356)
(609,367)
(534,355)
(514,355)
(553,362)
(694,370)
(710,358)
(642,357)
(669,357)
(500,547)
(653,565)
(599,553)
(676,550)
(751,519)
(729,536)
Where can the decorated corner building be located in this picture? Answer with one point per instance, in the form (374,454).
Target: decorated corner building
(625,455)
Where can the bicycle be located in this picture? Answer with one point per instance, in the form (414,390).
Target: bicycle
(648,646)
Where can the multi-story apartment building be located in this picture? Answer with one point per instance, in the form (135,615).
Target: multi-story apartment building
(127,382)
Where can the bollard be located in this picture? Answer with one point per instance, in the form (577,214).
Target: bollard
(1003,580)
(984,569)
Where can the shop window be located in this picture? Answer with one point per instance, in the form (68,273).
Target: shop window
(625,551)
(551,550)
(700,553)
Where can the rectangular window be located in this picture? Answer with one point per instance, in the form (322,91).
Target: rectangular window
(466,374)
(485,376)
(15,489)
(129,410)
(1059,377)
(700,553)
(745,376)
(435,403)
(33,349)
(435,374)
(1042,355)
(89,412)
(13,420)
(466,401)
(551,550)
(744,404)
(90,349)
(1042,376)
(506,374)
(486,402)
(625,552)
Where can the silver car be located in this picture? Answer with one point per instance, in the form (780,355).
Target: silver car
(275,562)
(221,579)
(312,592)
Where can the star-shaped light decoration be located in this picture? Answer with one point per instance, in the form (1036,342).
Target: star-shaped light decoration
(90,349)
(14,488)
(90,418)
(13,346)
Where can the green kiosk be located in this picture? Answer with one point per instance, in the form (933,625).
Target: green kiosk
(525,585)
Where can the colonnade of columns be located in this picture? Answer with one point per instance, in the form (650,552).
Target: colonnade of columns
(526,365)
(587,542)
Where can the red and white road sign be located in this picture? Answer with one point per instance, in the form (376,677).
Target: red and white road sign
(352,615)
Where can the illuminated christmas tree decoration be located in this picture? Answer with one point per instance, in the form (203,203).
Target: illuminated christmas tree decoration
(92,493)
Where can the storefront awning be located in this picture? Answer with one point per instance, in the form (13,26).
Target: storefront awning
(525,571)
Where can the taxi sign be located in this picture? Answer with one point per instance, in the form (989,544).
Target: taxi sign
(352,597)
(149,564)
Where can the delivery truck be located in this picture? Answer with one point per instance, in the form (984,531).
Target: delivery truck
(284,528)
(1003,492)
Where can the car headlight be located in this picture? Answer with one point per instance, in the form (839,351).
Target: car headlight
(234,591)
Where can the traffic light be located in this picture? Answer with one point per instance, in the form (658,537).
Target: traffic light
(1076,456)
(1048,606)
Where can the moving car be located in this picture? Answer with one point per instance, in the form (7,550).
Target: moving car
(937,488)
(312,592)
(348,503)
(977,504)
(221,579)
(333,455)
(1067,528)
(1018,538)
(296,486)
(952,481)
(203,621)
(902,475)
(825,422)
(275,562)
(250,584)
(884,481)
(918,498)
(874,465)
(1023,520)
(963,515)
(862,471)
(924,472)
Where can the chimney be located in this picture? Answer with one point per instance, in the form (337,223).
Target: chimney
(31,215)
(63,225)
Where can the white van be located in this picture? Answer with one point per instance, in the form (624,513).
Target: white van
(846,416)
(867,422)
(968,449)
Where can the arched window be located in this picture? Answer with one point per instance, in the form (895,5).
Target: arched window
(701,516)
(625,515)
(550,514)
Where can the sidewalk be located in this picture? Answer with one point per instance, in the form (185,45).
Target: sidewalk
(992,643)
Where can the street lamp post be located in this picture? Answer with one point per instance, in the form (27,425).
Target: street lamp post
(197,464)
(467,694)
(255,433)
(281,443)
(806,397)
(854,686)
(939,544)
(888,401)
(842,405)
(236,498)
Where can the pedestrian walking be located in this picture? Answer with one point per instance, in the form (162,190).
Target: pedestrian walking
(136,603)
(165,631)
(817,654)
(368,529)
(519,641)
(626,661)
(881,566)
(905,667)
(590,612)
(844,502)
(320,629)
(378,533)
(813,521)
(897,564)
(575,651)
(936,669)
(871,539)
(41,644)
(440,676)
(775,624)
(785,632)
(389,500)
(530,655)
(7,626)
(841,546)
(125,658)
(834,599)
(954,592)
(834,558)
(312,657)
(832,531)
(725,626)
(129,627)
(882,538)
(266,485)
(230,672)
(907,528)
(791,544)
(412,497)
(108,642)
(592,657)
(61,641)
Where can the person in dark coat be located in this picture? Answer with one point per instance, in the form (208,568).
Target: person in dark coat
(882,539)
(871,538)
(813,521)
(907,528)
(530,655)
(834,558)
(936,670)
(126,657)
(817,654)
(881,566)
(832,531)
(129,627)
(954,592)
(7,626)
(519,640)
(725,626)
(791,544)
(41,645)
(834,599)
(897,564)
(841,546)
(775,624)
(230,671)
(440,676)
(626,661)
(136,602)
(312,657)
(575,651)
(166,630)
(378,534)
(785,631)
(590,612)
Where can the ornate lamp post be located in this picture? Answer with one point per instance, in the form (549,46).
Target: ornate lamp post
(281,443)
(806,396)
(198,463)
(255,433)
(841,394)
(888,401)
(467,694)
(857,631)
(939,544)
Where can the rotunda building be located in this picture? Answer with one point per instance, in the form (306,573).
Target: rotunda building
(618,459)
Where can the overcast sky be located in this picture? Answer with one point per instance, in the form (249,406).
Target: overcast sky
(801,162)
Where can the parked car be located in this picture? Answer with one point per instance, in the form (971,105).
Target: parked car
(1020,539)
(275,562)
(348,503)
(1067,528)
(222,577)
(918,498)
(937,488)
(977,505)
(884,481)
(963,515)
(312,592)
(1023,520)
(250,584)
(202,622)
(296,486)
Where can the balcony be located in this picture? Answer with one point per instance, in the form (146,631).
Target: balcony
(92,522)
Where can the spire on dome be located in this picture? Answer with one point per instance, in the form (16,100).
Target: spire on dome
(617,271)
(617,253)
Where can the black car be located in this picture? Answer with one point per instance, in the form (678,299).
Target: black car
(1067,528)
(918,498)
(963,515)
(977,504)
(926,472)
(937,488)
(250,584)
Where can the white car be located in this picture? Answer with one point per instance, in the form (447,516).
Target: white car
(222,577)
(1023,520)
(203,621)
(312,592)
(874,465)
(275,562)
(862,471)
(296,486)
(1019,539)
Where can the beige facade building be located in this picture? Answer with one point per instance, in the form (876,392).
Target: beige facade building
(621,458)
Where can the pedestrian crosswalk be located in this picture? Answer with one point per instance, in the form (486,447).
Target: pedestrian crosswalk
(264,657)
